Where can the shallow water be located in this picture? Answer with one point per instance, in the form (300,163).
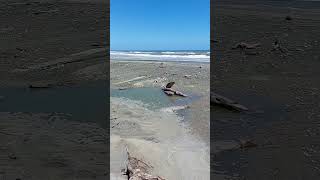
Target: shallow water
(86,103)
(154,98)
(158,137)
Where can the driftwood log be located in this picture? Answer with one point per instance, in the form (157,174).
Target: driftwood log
(138,170)
(243,45)
(38,85)
(170,92)
(216,99)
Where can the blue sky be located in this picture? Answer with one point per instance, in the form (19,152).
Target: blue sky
(160,24)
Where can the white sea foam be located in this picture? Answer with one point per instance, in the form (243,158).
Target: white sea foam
(189,56)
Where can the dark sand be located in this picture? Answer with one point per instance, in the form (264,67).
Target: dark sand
(281,89)
(60,43)
(37,32)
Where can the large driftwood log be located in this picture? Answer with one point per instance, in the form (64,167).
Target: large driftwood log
(243,45)
(39,85)
(170,92)
(217,99)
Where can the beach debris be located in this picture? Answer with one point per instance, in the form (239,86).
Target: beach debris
(245,144)
(162,65)
(115,125)
(217,99)
(96,45)
(243,46)
(170,92)
(170,84)
(122,88)
(278,47)
(40,85)
(187,76)
(288,18)
(12,156)
(138,170)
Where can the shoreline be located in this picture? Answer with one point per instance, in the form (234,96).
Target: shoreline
(162,61)
(130,75)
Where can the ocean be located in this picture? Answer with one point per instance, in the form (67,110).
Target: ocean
(175,56)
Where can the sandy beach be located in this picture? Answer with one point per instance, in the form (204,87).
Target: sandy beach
(278,85)
(62,48)
(52,127)
(151,126)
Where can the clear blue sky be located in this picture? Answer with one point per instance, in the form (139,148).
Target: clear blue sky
(160,24)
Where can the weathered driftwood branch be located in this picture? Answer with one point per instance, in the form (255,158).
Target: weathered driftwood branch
(243,45)
(217,99)
(170,92)
(38,85)
(138,170)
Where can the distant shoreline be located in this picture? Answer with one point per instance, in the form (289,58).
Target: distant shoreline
(161,61)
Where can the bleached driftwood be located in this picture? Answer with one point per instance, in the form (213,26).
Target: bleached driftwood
(170,92)
(138,170)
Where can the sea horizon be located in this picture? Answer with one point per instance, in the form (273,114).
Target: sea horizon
(162,55)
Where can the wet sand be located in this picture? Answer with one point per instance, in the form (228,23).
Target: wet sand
(175,144)
(190,78)
(41,32)
(280,87)
(36,145)
(61,46)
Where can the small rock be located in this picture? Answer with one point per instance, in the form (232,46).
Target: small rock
(288,18)
(170,84)
(188,76)
(12,156)
(96,45)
